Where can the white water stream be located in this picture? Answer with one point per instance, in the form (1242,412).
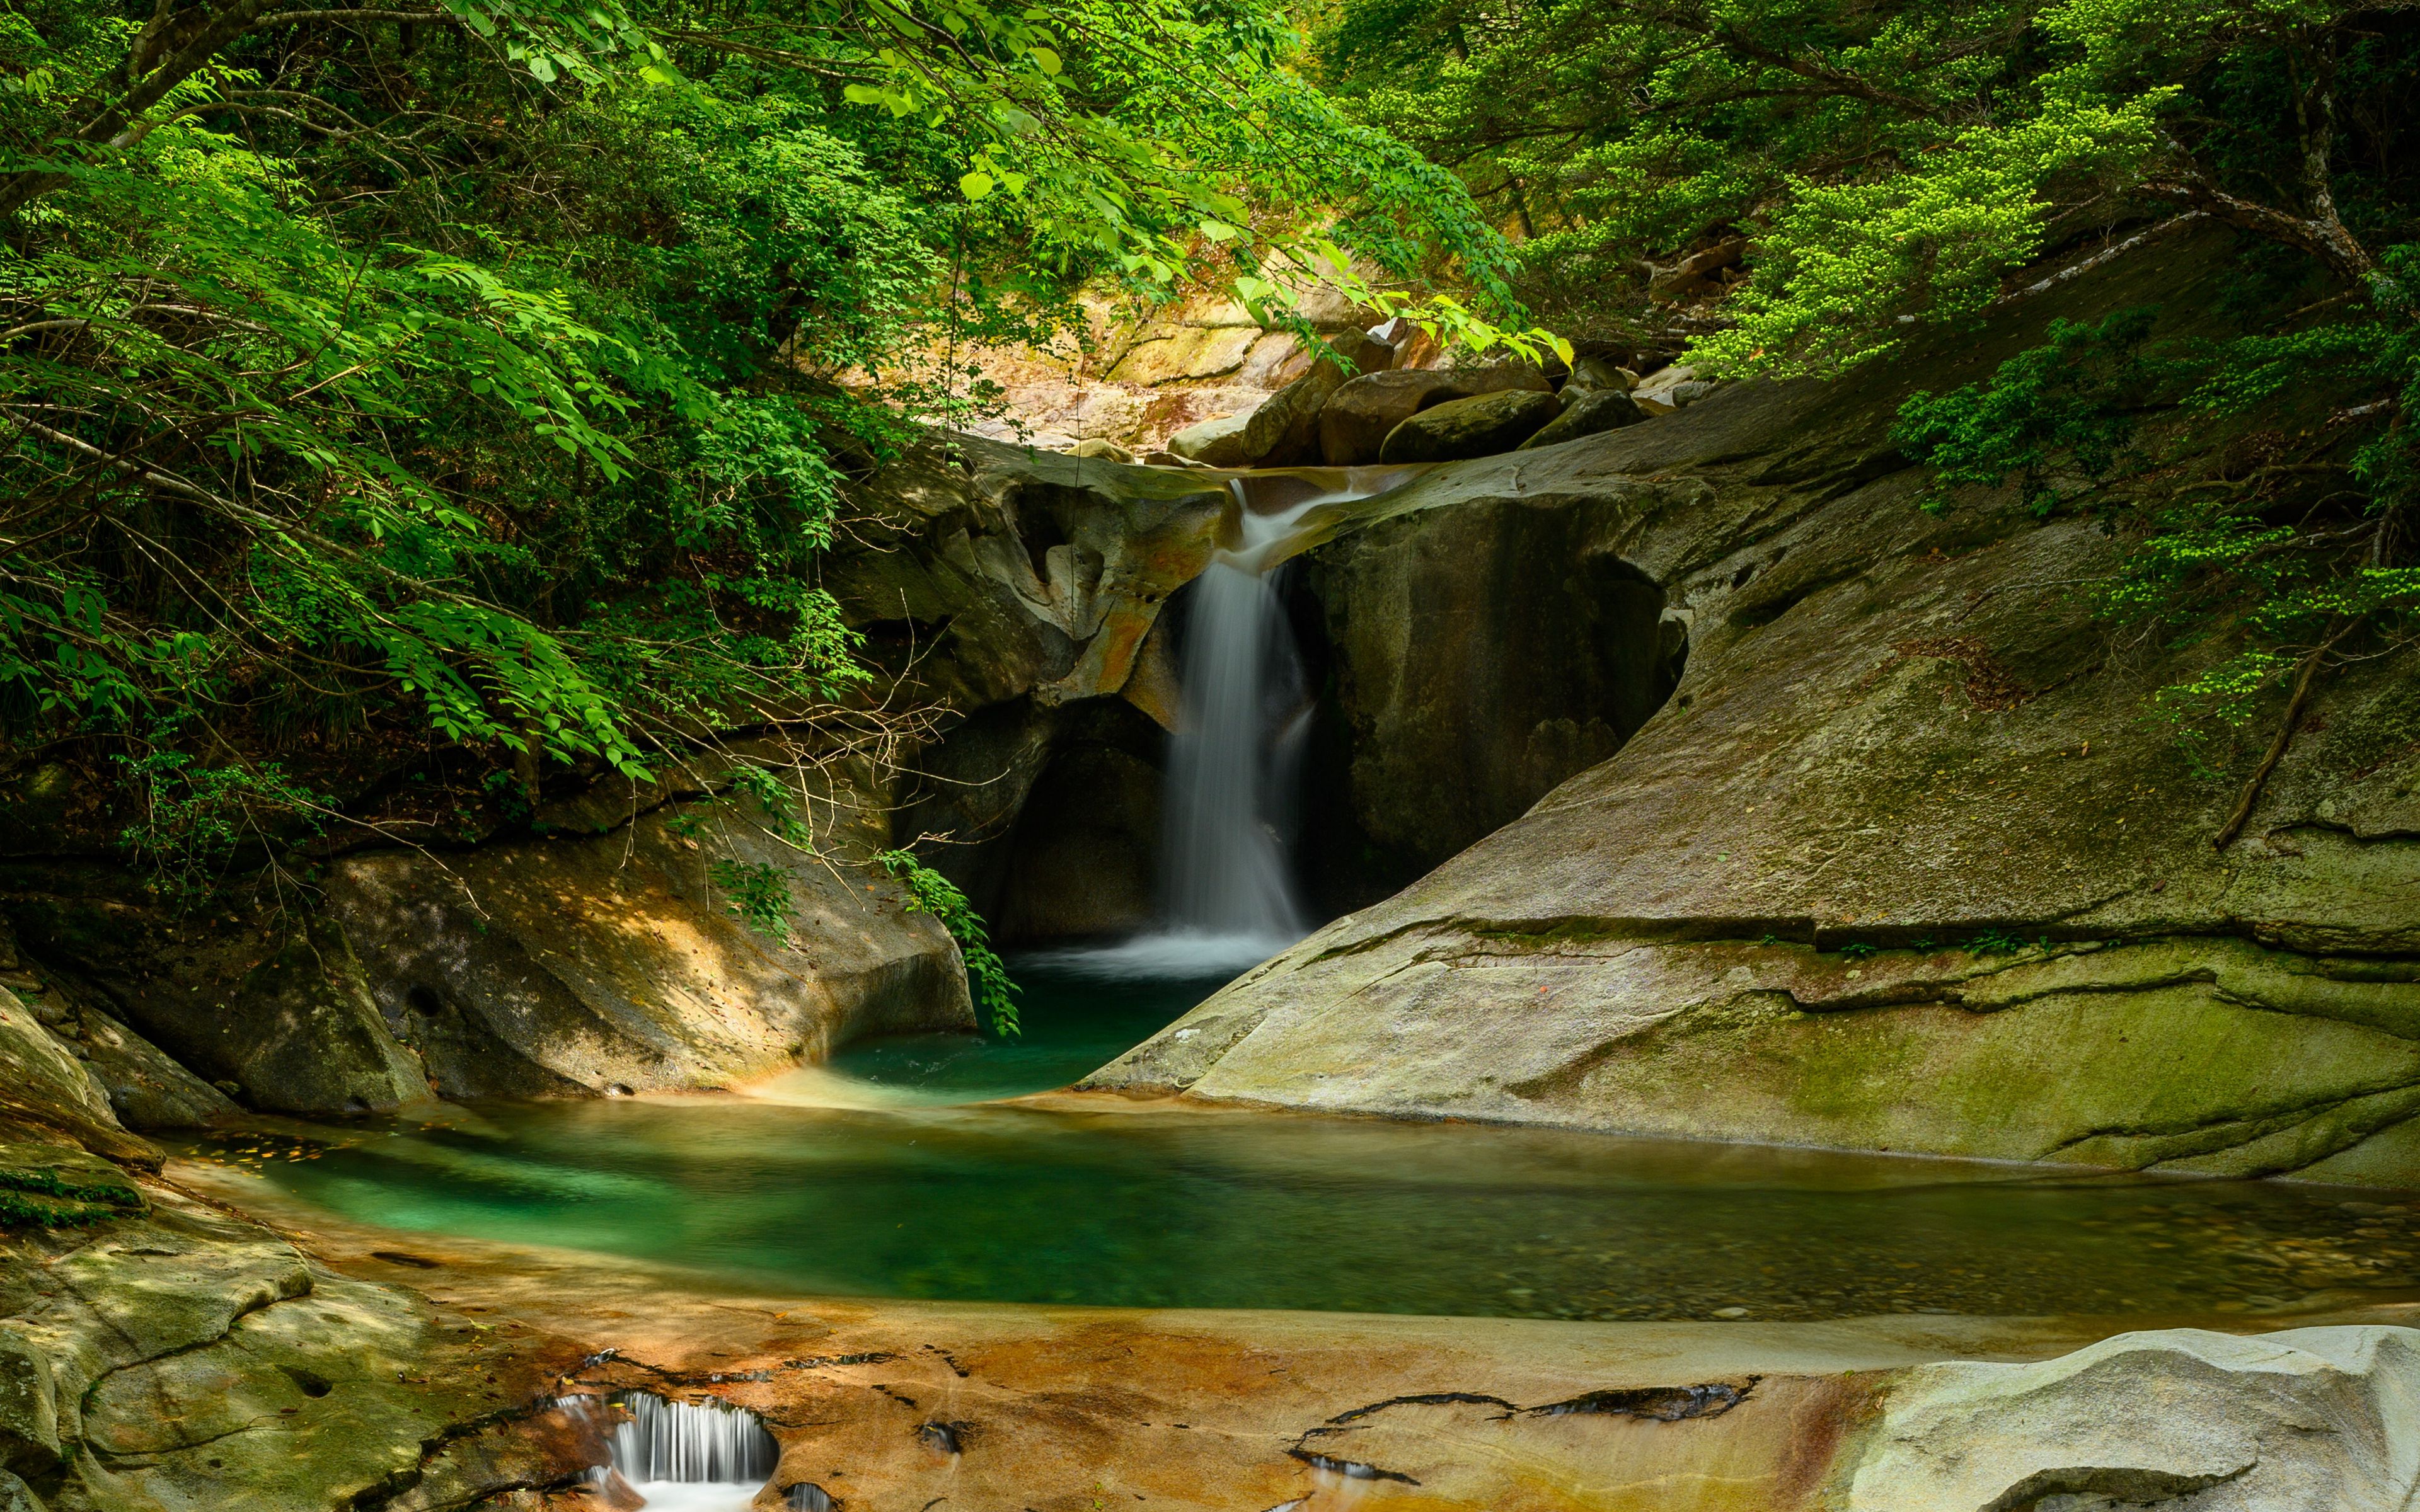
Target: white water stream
(1227,892)
(690,1458)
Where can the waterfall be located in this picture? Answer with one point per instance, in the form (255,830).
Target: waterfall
(683,1456)
(1227,895)
(1225,876)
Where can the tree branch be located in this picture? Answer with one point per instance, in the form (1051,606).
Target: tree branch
(2243,805)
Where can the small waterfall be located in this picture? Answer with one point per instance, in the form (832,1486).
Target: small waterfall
(1227,894)
(684,1457)
(1225,868)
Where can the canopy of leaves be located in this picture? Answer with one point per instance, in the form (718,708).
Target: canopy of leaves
(475,382)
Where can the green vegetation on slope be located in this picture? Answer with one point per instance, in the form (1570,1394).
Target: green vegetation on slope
(1782,187)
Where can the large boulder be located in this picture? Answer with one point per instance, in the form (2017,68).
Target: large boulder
(47,1097)
(1481,425)
(597,964)
(1284,430)
(2309,1418)
(1585,413)
(1222,443)
(1597,375)
(274,1004)
(1902,865)
(1356,419)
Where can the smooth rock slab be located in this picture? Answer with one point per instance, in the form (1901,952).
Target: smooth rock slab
(2306,1420)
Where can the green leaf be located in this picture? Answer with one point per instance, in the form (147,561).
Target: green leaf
(975,185)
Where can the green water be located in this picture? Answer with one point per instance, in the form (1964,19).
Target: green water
(1156,1206)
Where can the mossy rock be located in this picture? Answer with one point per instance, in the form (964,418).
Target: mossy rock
(1481,425)
(44,1185)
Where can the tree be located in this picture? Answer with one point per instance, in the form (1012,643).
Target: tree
(474,384)
(1794,187)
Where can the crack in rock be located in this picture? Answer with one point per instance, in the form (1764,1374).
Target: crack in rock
(1349,1469)
(2126,1486)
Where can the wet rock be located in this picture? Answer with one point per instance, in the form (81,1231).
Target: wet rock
(1586,413)
(2315,1417)
(1355,423)
(1481,425)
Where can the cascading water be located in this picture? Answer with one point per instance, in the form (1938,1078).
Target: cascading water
(1225,879)
(1227,893)
(684,1457)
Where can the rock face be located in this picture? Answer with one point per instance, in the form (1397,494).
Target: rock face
(2314,1417)
(1901,866)
(1021,591)
(1356,419)
(46,1097)
(1481,425)
(276,1006)
(1468,681)
(581,965)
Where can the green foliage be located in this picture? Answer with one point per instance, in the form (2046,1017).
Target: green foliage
(489,376)
(1859,950)
(756,894)
(1789,187)
(2073,401)
(42,1197)
(930,893)
(196,821)
(1998,942)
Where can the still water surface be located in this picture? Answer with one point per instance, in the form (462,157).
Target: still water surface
(915,1193)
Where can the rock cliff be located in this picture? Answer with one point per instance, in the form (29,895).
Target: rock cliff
(1901,864)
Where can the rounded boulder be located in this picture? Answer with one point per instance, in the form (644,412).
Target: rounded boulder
(1481,425)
